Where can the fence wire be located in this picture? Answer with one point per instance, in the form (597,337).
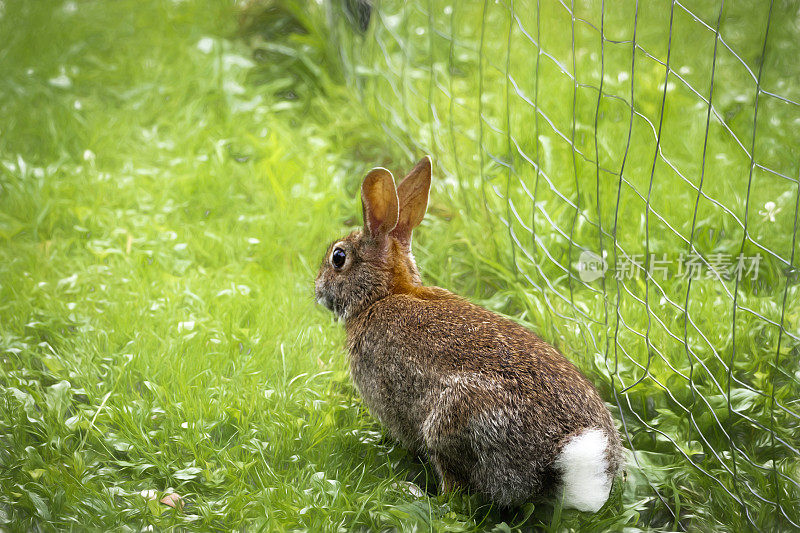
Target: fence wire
(636,164)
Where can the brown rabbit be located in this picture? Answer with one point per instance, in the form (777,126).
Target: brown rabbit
(496,409)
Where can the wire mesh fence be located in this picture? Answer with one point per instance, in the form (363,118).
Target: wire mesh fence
(637,166)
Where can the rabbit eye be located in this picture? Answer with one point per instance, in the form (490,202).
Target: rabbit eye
(337,258)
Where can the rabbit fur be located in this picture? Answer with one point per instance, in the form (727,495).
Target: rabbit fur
(495,408)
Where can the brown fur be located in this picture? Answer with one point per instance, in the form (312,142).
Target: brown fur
(488,401)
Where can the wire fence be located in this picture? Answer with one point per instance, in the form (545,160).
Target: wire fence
(637,165)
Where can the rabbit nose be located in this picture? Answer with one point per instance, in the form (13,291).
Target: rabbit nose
(317,290)
(321,297)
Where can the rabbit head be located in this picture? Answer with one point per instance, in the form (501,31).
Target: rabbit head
(376,260)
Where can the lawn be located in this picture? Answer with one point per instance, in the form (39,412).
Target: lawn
(170,176)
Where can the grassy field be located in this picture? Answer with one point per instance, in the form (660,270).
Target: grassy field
(165,197)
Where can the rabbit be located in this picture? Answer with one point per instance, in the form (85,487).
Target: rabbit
(497,410)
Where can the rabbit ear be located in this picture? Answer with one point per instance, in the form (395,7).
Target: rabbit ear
(413,196)
(379,202)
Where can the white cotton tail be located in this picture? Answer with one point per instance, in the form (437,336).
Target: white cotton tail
(586,482)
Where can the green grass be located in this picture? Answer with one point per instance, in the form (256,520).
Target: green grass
(164,202)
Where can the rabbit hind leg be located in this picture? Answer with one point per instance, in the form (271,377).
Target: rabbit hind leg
(468,437)
(448,444)
(446,435)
